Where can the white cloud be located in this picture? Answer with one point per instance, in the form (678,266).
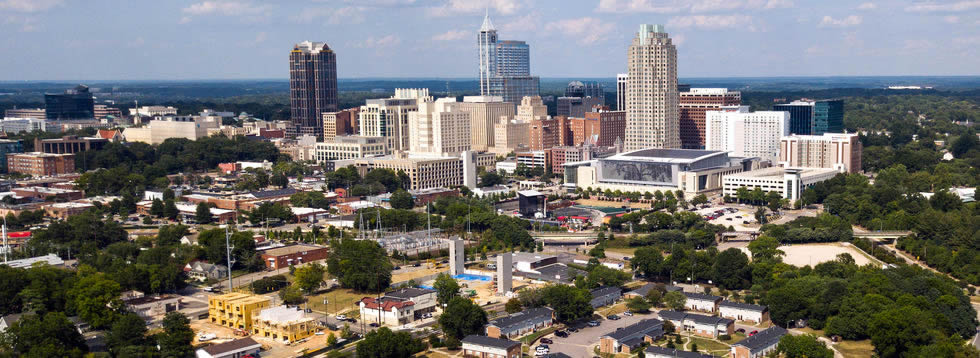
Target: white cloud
(699,6)
(712,21)
(225,8)
(630,6)
(527,22)
(29,5)
(944,7)
(918,45)
(814,50)
(452,7)
(867,6)
(587,30)
(137,42)
(452,35)
(344,15)
(952,19)
(849,21)
(967,41)
(26,23)
(380,42)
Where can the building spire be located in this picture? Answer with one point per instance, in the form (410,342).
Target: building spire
(487,25)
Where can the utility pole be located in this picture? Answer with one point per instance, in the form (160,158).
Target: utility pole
(228,248)
(5,247)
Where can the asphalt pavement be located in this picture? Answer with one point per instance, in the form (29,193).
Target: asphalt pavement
(580,344)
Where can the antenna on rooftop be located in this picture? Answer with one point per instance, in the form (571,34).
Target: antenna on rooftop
(228,248)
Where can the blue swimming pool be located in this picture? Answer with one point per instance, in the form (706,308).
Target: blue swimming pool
(469,277)
(427,287)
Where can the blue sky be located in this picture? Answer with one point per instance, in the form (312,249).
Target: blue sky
(230,39)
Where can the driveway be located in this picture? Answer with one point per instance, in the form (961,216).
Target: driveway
(579,344)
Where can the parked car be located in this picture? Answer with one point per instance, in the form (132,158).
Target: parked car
(613,317)
(740,330)
(373,324)
(542,347)
(547,340)
(593,323)
(342,317)
(753,333)
(351,320)
(561,334)
(628,314)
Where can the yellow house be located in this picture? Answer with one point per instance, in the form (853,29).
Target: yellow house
(284,324)
(235,309)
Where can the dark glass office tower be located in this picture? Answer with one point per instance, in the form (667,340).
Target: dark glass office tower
(312,87)
(76,103)
(800,116)
(828,117)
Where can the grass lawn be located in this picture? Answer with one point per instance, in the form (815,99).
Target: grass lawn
(710,346)
(614,309)
(528,339)
(855,348)
(812,331)
(338,301)
(628,251)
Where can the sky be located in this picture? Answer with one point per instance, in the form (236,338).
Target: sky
(251,39)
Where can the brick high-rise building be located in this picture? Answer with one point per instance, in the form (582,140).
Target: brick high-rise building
(652,99)
(601,128)
(312,87)
(549,132)
(340,123)
(694,104)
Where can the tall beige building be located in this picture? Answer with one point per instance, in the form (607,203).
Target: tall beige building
(513,133)
(485,111)
(388,117)
(652,99)
(439,128)
(840,151)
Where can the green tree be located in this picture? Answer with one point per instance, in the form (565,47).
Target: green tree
(279,179)
(168,194)
(361,265)
(570,303)
(291,295)
(96,299)
(309,199)
(490,178)
(461,318)
(647,261)
(401,199)
(731,269)
(156,209)
(513,306)
(203,213)
(331,340)
(964,143)
(803,346)
(50,335)
(765,248)
(655,297)
(170,209)
(175,340)
(127,331)
(675,300)
(446,288)
(309,277)
(383,343)
(638,304)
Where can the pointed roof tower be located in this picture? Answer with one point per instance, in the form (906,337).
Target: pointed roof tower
(487,25)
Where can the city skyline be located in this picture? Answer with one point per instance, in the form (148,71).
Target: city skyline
(241,39)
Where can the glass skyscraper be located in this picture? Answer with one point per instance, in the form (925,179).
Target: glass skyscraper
(505,66)
(814,117)
(312,87)
(76,103)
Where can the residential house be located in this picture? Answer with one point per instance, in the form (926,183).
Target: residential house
(702,302)
(10,319)
(706,326)
(642,291)
(487,347)
(661,352)
(760,344)
(521,323)
(398,307)
(604,296)
(627,338)
(743,311)
(149,307)
(235,349)
(202,271)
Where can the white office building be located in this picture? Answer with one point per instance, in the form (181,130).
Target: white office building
(742,133)
(388,117)
(788,182)
(439,128)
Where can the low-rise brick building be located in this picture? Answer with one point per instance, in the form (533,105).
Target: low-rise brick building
(292,255)
(486,347)
(41,164)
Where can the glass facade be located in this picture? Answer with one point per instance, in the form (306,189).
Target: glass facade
(76,103)
(800,117)
(828,117)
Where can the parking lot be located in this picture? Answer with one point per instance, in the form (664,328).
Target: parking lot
(742,218)
(580,344)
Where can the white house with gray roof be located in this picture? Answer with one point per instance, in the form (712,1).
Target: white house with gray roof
(760,344)
(743,311)
(706,326)
(702,302)
(632,336)
(604,296)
